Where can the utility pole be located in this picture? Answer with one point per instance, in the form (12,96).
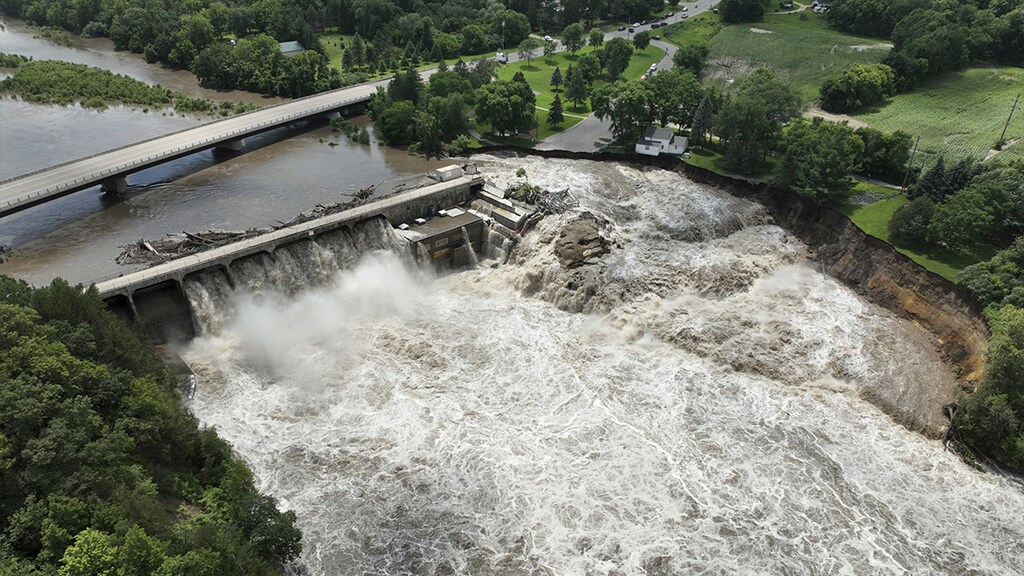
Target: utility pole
(910,164)
(1008,118)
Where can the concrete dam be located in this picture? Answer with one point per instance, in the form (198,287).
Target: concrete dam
(433,225)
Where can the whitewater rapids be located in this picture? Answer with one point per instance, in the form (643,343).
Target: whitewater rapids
(700,401)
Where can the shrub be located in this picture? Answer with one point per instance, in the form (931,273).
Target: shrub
(909,224)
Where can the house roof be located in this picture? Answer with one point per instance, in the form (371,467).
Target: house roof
(290,47)
(655,133)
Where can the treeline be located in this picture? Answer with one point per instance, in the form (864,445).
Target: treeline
(990,422)
(56,82)
(391,34)
(101,469)
(193,36)
(963,207)
(929,39)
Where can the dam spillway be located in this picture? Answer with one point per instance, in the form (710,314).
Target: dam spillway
(156,296)
(701,399)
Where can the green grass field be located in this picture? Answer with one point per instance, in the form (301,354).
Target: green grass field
(959,115)
(801,52)
(699,29)
(538,74)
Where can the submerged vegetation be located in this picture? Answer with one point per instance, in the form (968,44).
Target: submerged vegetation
(101,469)
(64,83)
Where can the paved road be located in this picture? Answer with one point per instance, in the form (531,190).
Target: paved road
(592,134)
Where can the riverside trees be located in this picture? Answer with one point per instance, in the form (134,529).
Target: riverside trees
(102,471)
(751,121)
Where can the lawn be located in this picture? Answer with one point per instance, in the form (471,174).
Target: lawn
(874,219)
(697,30)
(801,52)
(959,115)
(538,74)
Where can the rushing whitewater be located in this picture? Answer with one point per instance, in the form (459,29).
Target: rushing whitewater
(700,400)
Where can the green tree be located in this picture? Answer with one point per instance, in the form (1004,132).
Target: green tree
(751,122)
(675,96)
(818,159)
(527,49)
(556,78)
(1000,280)
(506,106)
(617,52)
(511,26)
(642,40)
(858,86)
(733,11)
(596,37)
(555,116)
(549,48)
(990,422)
(572,37)
(909,224)
(398,123)
(474,40)
(692,57)
(589,67)
(626,104)
(967,217)
(575,86)
(885,155)
(932,183)
(702,121)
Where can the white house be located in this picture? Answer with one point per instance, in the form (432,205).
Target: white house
(658,140)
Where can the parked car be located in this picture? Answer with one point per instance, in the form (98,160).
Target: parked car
(655,37)
(631,30)
(685,9)
(549,39)
(636,24)
(685,16)
(670,14)
(622,28)
(655,25)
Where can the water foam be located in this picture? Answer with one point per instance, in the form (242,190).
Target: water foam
(691,423)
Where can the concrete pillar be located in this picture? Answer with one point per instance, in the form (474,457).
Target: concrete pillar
(330,115)
(115,185)
(232,145)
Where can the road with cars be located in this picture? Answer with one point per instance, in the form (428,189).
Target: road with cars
(591,133)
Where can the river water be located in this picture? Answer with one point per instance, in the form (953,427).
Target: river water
(283,173)
(700,401)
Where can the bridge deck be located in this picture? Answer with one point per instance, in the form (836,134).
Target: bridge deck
(51,183)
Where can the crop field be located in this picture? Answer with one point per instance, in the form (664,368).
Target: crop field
(538,74)
(801,52)
(960,115)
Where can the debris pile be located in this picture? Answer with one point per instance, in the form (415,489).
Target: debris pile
(178,245)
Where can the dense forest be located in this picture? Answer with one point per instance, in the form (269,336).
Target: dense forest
(101,469)
(234,44)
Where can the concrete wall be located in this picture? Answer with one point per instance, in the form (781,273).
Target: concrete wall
(155,298)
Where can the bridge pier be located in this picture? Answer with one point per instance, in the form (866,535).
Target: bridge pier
(115,185)
(232,145)
(331,115)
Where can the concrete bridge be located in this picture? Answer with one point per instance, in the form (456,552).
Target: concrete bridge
(156,298)
(111,168)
